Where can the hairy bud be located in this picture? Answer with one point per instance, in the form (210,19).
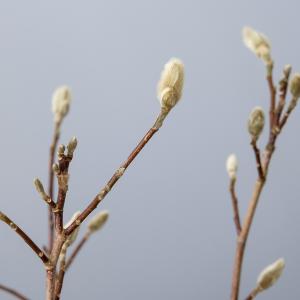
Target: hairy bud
(40,189)
(295,86)
(170,86)
(72,146)
(270,275)
(72,237)
(61,100)
(256,122)
(98,221)
(258,43)
(55,168)
(232,166)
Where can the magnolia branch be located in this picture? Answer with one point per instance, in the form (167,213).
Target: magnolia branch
(116,176)
(236,215)
(13,292)
(51,183)
(40,253)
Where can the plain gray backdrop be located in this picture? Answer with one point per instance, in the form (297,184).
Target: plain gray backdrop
(170,234)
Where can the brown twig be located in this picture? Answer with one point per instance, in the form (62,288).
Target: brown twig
(253,294)
(258,159)
(51,183)
(116,176)
(40,253)
(63,176)
(77,249)
(283,85)
(272,100)
(235,206)
(13,292)
(286,115)
(269,150)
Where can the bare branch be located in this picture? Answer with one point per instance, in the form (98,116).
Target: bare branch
(258,159)
(235,206)
(40,253)
(51,183)
(116,176)
(77,249)
(13,292)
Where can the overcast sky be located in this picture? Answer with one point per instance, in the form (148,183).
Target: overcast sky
(170,234)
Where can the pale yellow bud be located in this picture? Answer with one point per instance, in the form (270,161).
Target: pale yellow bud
(170,86)
(72,237)
(256,122)
(72,146)
(270,275)
(295,85)
(39,186)
(232,166)
(258,43)
(61,103)
(98,221)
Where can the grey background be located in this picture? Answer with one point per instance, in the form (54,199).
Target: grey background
(170,234)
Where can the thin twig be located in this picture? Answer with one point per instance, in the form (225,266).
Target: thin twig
(253,294)
(258,159)
(40,253)
(235,206)
(61,273)
(63,176)
(283,85)
(269,150)
(13,292)
(116,176)
(286,115)
(272,100)
(51,183)
(77,249)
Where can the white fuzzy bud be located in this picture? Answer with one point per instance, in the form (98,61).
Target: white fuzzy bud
(72,237)
(295,85)
(258,43)
(270,275)
(61,100)
(169,89)
(256,122)
(98,221)
(72,146)
(232,166)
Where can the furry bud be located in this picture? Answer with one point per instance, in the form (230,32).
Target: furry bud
(98,221)
(295,86)
(270,275)
(72,237)
(170,86)
(61,100)
(258,43)
(72,146)
(256,122)
(232,166)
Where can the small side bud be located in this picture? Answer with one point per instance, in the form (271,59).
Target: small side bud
(98,221)
(270,275)
(258,43)
(232,166)
(170,86)
(295,86)
(256,122)
(39,186)
(40,189)
(72,146)
(61,149)
(61,100)
(55,168)
(287,70)
(72,237)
